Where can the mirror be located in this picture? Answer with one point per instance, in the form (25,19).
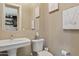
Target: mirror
(12,17)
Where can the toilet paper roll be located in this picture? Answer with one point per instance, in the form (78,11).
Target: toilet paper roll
(46,49)
(65,53)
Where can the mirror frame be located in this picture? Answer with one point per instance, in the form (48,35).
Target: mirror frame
(18,19)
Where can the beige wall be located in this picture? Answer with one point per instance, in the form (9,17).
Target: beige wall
(51,29)
(26,24)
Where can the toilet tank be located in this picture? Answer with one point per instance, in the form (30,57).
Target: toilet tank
(37,45)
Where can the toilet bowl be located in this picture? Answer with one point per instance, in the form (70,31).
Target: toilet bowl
(37,46)
(44,53)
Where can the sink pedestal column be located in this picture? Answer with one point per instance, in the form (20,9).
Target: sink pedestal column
(12,52)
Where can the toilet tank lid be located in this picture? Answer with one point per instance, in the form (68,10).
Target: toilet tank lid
(38,40)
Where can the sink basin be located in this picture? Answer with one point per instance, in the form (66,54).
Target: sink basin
(12,45)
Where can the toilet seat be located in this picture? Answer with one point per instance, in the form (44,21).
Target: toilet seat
(44,53)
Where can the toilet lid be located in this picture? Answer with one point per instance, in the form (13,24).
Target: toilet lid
(44,53)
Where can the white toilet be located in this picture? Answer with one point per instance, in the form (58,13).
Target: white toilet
(37,46)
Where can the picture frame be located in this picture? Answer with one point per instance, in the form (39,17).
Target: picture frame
(71,18)
(36,11)
(52,7)
(37,24)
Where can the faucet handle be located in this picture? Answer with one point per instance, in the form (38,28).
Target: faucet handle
(11,36)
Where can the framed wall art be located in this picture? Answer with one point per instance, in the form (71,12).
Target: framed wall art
(36,11)
(71,18)
(52,7)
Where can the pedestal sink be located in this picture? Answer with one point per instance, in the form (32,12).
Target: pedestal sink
(12,45)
